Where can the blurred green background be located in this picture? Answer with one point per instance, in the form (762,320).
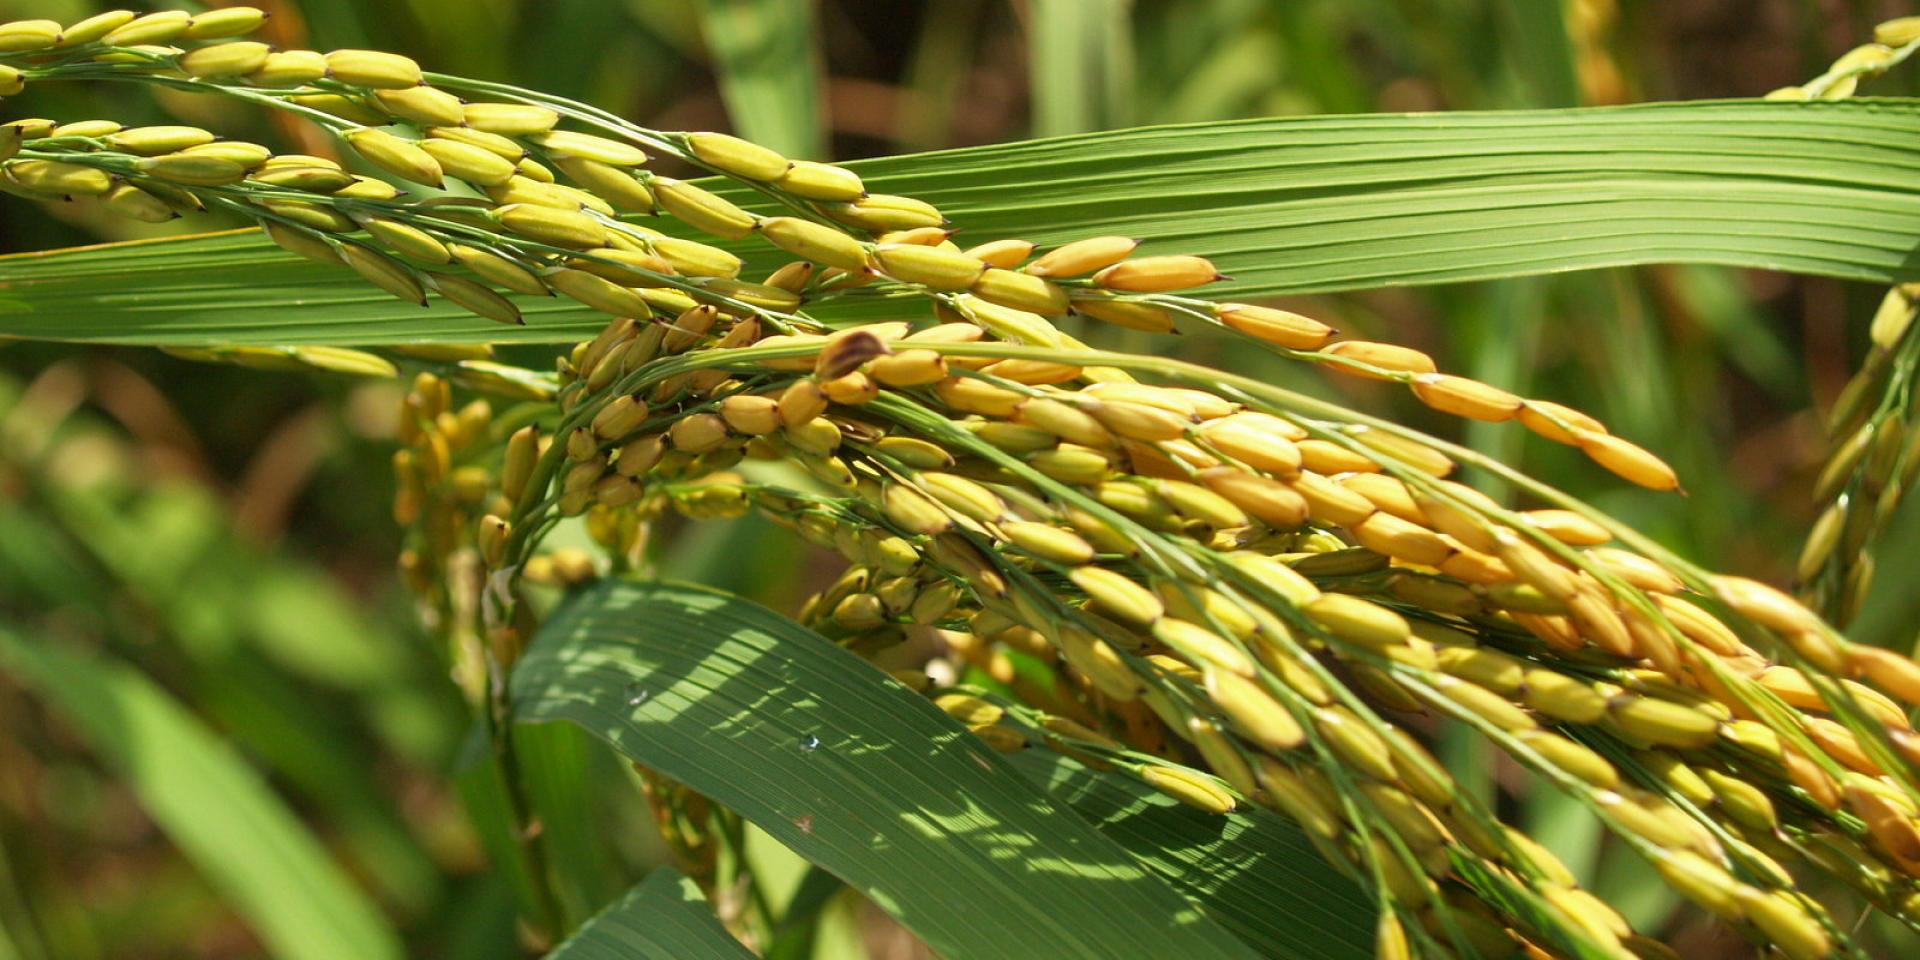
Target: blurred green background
(226,530)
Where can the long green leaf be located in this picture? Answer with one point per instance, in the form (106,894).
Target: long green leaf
(249,846)
(556,765)
(1285,205)
(663,918)
(768,65)
(851,771)
(484,795)
(1252,871)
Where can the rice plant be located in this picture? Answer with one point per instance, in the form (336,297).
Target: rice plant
(1127,655)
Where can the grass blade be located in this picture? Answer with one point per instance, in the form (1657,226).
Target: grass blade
(249,845)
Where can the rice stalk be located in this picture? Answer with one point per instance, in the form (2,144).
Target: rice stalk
(1232,592)
(1871,458)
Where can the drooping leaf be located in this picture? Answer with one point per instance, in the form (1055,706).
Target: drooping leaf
(664,917)
(251,848)
(851,771)
(1284,205)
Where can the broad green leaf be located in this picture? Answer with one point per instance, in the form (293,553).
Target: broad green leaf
(250,846)
(1287,205)
(768,65)
(663,918)
(850,770)
(1252,871)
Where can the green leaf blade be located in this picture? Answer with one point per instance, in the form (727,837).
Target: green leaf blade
(1253,872)
(836,761)
(664,917)
(1285,206)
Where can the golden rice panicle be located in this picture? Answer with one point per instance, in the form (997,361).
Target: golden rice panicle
(1897,32)
(95,27)
(221,60)
(1189,787)
(222,22)
(1002,254)
(24,36)
(1127,314)
(1158,274)
(931,267)
(150,29)
(736,157)
(1279,327)
(1629,461)
(1035,498)
(703,210)
(821,181)
(1378,361)
(1464,397)
(880,212)
(373,69)
(1081,257)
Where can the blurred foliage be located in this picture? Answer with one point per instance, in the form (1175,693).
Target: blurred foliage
(225,530)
